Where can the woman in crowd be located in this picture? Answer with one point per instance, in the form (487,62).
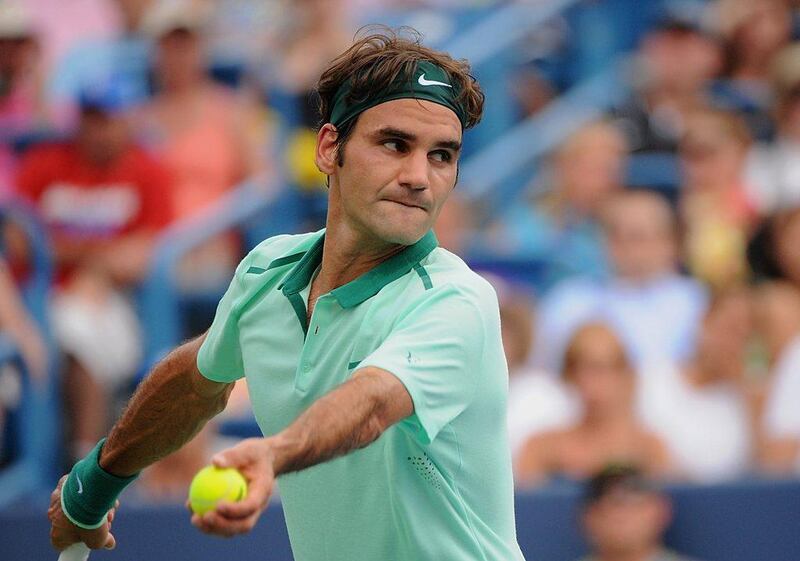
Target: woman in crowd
(598,368)
(701,407)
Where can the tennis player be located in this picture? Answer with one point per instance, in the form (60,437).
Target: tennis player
(373,357)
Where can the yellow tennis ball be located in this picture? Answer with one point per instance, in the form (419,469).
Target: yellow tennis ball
(213,484)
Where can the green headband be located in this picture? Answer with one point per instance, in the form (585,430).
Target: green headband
(429,82)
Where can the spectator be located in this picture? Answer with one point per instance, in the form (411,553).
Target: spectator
(678,60)
(785,247)
(454,225)
(537,401)
(561,227)
(62,29)
(717,213)
(625,516)
(701,408)
(103,200)
(209,137)
(22,105)
(120,62)
(314,32)
(653,308)
(774,169)
(755,31)
(597,366)
(778,318)
(18,325)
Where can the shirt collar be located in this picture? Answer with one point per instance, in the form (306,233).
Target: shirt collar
(367,285)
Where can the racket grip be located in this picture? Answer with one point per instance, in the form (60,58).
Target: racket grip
(75,552)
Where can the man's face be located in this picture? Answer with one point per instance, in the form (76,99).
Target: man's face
(399,165)
(682,60)
(180,56)
(102,136)
(623,522)
(640,241)
(599,372)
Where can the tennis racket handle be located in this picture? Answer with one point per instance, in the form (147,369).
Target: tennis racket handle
(75,552)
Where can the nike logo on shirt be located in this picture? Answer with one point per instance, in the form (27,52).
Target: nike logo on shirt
(423,82)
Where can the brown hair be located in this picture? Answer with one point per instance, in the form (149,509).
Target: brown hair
(379,58)
(576,346)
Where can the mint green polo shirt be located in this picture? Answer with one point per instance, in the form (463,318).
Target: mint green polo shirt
(435,486)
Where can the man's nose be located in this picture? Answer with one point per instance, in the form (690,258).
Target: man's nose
(414,173)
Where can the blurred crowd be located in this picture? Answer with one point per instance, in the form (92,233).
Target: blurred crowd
(669,337)
(664,333)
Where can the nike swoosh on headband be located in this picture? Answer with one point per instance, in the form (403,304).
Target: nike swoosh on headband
(423,82)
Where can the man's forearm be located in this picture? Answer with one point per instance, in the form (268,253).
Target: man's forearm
(167,410)
(350,417)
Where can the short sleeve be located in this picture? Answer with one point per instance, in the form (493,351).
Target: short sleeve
(220,355)
(436,351)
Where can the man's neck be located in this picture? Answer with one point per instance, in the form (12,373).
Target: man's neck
(348,254)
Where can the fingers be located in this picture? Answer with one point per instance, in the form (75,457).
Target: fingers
(64,533)
(258,493)
(97,539)
(232,458)
(213,523)
(61,540)
(243,454)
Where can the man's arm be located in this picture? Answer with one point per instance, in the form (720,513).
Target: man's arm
(350,417)
(167,410)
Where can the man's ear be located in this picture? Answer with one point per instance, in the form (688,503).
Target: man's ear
(325,157)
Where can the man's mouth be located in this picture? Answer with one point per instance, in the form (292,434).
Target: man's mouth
(407,204)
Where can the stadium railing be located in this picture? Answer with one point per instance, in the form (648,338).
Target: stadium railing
(489,46)
(488,177)
(36,459)
(23,474)
(160,297)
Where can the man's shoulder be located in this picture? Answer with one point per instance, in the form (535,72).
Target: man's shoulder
(280,250)
(449,274)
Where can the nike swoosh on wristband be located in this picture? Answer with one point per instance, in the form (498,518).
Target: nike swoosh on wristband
(423,82)
(80,485)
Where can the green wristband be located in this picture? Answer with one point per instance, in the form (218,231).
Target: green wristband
(90,491)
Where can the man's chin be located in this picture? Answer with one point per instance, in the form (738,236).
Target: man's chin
(402,236)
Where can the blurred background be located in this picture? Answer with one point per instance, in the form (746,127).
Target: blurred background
(633,194)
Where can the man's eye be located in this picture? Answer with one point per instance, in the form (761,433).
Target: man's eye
(394,145)
(441,156)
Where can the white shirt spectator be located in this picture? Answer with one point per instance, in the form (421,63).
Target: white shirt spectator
(656,320)
(705,428)
(773,174)
(537,402)
(782,412)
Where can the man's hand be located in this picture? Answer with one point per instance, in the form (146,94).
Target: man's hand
(350,417)
(64,533)
(255,459)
